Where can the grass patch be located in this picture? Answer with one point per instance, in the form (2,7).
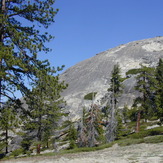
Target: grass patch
(154,139)
(154,135)
(83,149)
(145,133)
(122,142)
(126,142)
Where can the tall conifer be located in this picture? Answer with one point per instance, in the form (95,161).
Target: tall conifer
(159,90)
(43,102)
(21,40)
(146,85)
(116,89)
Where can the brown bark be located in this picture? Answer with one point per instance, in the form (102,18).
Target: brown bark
(38,148)
(138,122)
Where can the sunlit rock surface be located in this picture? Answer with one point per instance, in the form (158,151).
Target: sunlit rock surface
(93,74)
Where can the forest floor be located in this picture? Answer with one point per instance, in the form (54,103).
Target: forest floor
(137,153)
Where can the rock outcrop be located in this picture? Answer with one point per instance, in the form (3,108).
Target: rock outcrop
(93,74)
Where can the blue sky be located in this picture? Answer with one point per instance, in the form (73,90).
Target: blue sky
(84,28)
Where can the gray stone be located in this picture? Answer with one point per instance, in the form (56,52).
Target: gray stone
(93,74)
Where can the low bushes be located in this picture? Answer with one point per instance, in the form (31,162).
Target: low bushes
(154,139)
(145,133)
(90,96)
(126,142)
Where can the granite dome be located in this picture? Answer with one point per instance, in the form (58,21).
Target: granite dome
(93,74)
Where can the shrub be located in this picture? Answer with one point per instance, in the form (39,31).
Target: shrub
(130,141)
(145,133)
(72,144)
(154,139)
(17,152)
(2,146)
(153,118)
(26,143)
(90,96)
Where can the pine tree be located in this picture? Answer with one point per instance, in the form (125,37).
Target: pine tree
(116,88)
(146,85)
(21,40)
(43,102)
(125,113)
(8,122)
(115,85)
(159,89)
(72,136)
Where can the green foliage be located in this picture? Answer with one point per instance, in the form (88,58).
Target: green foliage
(132,113)
(154,139)
(123,79)
(20,42)
(122,142)
(90,130)
(132,72)
(72,136)
(43,105)
(146,85)
(72,133)
(153,118)
(126,142)
(116,82)
(95,129)
(121,131)
(149,84)
(72,144)
(20,68)
(159,90)
(8,122)
(145,133)
(2,146)
(116,89)
(90,96)
(125,113)
(17,152)
(88,149)
(26,143)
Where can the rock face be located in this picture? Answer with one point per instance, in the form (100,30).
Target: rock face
(93,74)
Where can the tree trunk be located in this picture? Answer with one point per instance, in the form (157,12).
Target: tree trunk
(38,148)
(6,141)
(112,126)
(138,122)
(39,136)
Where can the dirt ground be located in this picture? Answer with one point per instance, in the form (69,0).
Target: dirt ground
(139,153)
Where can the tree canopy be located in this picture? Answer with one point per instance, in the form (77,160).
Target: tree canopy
(21,40)
(116,89)
(43,102)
